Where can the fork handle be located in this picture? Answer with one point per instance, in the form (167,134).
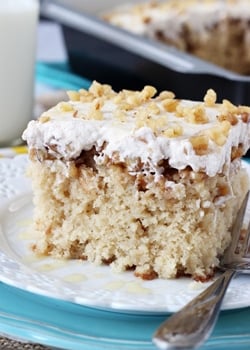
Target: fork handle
(192,325)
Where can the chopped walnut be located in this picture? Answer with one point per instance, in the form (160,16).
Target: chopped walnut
(197,115)
(219,133)
(166,95)
(152,124)
(65,107)
(97,104)
(173,131)
(210,98)
(144,118)
(233,120)
(108,91)
(141,114)
(148,92)
(194,115)
(200,144)
(170,105)
(225,127)
(153,108)
(181,111)
(117,99)
(126,106)
(96,89)
(245,117)
(44,118)
(133,99)
(86,96)
(128,99)
(227,106)
(73,95)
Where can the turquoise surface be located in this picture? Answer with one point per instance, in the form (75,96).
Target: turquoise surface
(59,76)
(52,322)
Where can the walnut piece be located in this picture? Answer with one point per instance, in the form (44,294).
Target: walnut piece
(200,144)
(210,98)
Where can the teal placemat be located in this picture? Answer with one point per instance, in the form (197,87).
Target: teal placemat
(59,76)
(70,326)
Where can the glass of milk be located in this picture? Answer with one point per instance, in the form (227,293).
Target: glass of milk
(18,33)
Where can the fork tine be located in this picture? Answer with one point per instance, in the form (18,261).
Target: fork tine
(236,231)
(246,242)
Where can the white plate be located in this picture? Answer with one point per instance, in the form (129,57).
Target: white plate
(78,281)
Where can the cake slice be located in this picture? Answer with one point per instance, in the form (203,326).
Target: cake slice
(214,30)
(138,180)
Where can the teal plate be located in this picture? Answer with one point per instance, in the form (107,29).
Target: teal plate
(55,323)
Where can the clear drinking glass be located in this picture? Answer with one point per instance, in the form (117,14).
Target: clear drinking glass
(18,33)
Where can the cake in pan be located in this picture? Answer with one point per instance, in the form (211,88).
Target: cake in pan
(215,30)
(138,179)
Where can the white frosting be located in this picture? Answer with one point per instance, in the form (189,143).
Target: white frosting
(65,136)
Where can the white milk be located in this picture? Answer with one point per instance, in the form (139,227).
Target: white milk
(18,32)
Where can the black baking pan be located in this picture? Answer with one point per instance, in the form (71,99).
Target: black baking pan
(102,52)
(123,69)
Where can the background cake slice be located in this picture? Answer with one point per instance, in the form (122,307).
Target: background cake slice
(138,180)
(214,30)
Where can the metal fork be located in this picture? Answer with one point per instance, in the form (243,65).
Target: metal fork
(190,327)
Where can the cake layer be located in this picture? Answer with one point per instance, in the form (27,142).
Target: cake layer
(177,226)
